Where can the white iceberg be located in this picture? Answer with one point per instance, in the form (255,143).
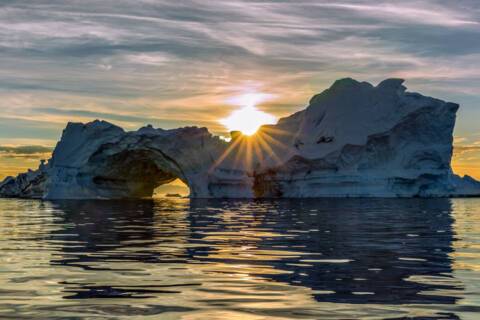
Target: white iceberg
(353,140)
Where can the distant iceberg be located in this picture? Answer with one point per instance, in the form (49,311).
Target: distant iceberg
(353,140)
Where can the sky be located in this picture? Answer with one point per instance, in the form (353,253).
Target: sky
(178,63)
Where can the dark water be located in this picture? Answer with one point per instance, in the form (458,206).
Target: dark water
(181,259)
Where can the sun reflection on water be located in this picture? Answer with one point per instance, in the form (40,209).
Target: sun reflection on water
(221,259)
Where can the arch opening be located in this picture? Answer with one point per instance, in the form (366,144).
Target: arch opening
(135,173)
(175,189)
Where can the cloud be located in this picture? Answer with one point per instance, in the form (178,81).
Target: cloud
(148,59)
(411,12)
(123,118)
(25,149)
(174,63)
(459,140)
(466,148)
(26,152)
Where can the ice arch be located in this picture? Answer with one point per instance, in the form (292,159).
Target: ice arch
(99,160)
(132,173)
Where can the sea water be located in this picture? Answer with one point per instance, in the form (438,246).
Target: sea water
(227,259)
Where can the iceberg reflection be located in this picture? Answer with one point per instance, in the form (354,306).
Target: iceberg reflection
(260,256)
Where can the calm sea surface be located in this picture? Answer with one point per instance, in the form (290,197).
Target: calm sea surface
(288,259)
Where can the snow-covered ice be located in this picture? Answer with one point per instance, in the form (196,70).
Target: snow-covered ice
(353,140)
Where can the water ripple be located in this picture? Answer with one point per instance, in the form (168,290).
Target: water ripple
(218,259)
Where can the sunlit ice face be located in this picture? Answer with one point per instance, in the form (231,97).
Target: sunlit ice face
(248,118)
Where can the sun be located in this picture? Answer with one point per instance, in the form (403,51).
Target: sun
(248,118)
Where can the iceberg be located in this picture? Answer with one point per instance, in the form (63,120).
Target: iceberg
(352,140)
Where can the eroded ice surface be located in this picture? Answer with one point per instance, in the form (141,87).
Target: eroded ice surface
(353,140)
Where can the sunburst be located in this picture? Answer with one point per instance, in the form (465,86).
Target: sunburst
(258,142)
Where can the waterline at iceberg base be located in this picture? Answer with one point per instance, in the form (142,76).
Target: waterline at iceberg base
(353,140)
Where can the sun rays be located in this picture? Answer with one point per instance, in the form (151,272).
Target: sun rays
(256,141)
(251,153)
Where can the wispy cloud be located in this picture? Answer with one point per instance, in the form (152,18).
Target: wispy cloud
(466,156)
(412,12)
(462,149)
(25,153)
(24,149)
(176,63)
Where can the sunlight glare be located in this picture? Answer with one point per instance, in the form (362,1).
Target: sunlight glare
(248,118)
